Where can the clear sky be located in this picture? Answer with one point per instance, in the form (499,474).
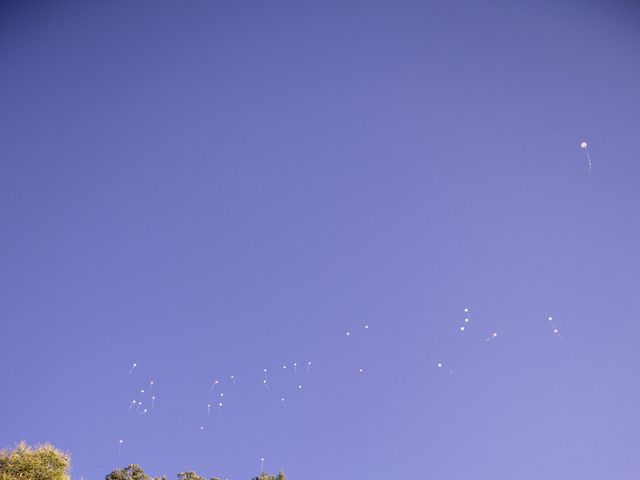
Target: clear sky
(211,188)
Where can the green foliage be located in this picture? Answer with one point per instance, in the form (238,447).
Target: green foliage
(135,472)
(43,462)
(266,476)
(131,472)
(190,476)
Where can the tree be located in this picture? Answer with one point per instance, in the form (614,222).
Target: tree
(131,472)
(135,472)
(266,476)
(44,462)
(190,476)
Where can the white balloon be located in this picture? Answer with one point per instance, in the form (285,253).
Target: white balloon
(583,144)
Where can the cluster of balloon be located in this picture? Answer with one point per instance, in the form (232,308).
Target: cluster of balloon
(364,327)
(139,403)
(555,329)
(462,328)
(348,333)
(494,334)
(466,318)
(264,381)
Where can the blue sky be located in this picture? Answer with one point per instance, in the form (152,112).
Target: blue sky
(213,188)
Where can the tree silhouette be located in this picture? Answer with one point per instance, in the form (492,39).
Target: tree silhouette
(266,476)
(131,472)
